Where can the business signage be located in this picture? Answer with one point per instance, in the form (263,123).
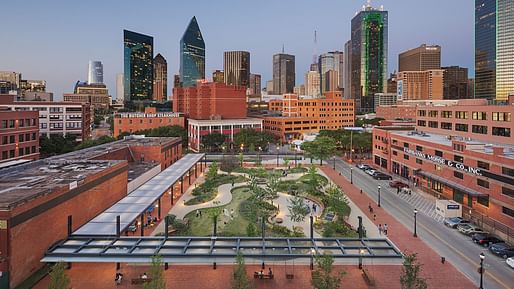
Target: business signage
(399,86)
(147,115)
(440,160)
(452,207)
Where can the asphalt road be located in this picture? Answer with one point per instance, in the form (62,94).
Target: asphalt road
(454,246)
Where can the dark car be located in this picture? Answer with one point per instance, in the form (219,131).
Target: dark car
(398,184)
(502,249)
(485,240)
(454,222)
(381,176)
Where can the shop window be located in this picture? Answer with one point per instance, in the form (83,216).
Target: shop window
(508,192)
(458,175)
(483,183)
(483,200)
(508,212)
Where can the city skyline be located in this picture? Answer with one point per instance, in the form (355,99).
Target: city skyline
(453,33)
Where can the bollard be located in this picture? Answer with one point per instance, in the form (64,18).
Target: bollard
(443,259)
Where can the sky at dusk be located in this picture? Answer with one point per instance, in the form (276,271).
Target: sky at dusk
(54,39)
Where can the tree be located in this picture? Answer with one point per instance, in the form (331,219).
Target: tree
(411,271)
(286,163)
(336,200)
(155,275)
(251,230)
(212,172)
(213,140)
(321,148)
(253,138)
(58,277)
(272,187)
(229,164)
(240,280)
(312,181)
(322,277)
(298,210)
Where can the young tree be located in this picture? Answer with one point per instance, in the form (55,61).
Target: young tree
(298,210)
(212,172)
(322,277)
(155,275)
(312,181)
(251,230)
(336,200)
(240,280)
(411,271)
(58,277)
(286,163)
(229,164)
(272,186)
(241,158)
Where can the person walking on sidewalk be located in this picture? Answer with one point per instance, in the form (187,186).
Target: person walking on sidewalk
(385,229)
(380,229)
(374,217)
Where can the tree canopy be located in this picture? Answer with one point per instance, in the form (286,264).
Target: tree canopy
(252,138)
(322,277)
(213,141)
(321,148)
(411,273)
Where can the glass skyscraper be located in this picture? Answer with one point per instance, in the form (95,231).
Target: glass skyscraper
(368,56)
(331,61)
(95,72)
(138,66)
(494,49)
(192,55)
(283,73)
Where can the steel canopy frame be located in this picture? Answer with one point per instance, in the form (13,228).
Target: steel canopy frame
(213,249)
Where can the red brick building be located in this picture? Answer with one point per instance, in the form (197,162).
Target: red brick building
(135,121)
(391,112)
(210,101)
(19,135)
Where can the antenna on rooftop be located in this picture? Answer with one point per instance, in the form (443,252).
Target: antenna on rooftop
(282,47)
(315,54)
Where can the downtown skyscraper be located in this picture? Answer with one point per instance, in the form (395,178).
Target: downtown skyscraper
(237,68)
(494,77)
(192,55)
(369,43)
(160,79)
(283,73)
(95,72)
(138,66)
(331,66)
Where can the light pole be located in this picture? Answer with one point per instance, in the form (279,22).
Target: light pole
(361,252)
(334,163)
(259,156)
(351,176)
(379,196)
(415,222)
(312,258)
(242,155)
(278,150)
(482,257)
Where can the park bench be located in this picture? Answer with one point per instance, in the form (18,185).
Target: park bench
(257,275)
(139,281)
(368,278)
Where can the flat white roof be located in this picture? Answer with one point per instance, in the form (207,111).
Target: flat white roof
(225,121)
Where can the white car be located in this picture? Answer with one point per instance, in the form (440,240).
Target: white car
(510,262)
(370,172)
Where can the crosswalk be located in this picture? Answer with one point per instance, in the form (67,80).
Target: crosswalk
(423,204)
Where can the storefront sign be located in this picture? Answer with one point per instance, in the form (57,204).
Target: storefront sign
(451,164)
(452,207)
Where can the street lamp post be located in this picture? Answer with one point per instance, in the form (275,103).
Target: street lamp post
(259,156)
(378,195)
(482,257)
(312,259)
(278,150)
(334,162)
(351,176)
(361,252)
(415,222)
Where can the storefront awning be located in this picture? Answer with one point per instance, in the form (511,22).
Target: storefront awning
(451,184)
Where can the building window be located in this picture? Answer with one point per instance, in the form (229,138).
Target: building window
(405,144)
(508,192)
(419,148)
(422,112)
(481,129)
(483,183)
(501,116)
(508,171)
(461,114)
(446,125)
(12,139)
(483,165)
(458,158)
(395,153)
(501,131)
(419,161)
(458,175)
(405,156)
(479,115)
(432,113)
(461,127)
(422,123)
(21,138)
(483,200)
(446,114)
(508,212)
(458,147)
(4,155)
(439,153)
(5,140)
(433,124)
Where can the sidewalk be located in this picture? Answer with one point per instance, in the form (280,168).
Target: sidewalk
(438,275)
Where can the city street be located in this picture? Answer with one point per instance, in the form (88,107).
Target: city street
(449,243)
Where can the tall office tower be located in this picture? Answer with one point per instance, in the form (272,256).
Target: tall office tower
(331,61)
(95,72)
(347,75)
(312,86)
(283,73)
(138,66)
(160,78)
(120,90)
(420,85)
(269,87)
(369,56)
(237,68)
(455,82)
(494,36)
(422,58)
(192,55)
(255,84)
(218,76)
(13,77)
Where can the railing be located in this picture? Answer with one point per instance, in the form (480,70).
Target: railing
(490,225)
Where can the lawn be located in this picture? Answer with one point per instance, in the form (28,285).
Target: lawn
(208,190)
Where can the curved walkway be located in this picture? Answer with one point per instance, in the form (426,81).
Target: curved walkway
(283,201)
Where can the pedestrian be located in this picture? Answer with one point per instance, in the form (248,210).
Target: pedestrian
(197,213)
(380,229)
(370,208)
(361,191)
(374,217)
(200,214)
(397,190)
(232,183)
(385,229)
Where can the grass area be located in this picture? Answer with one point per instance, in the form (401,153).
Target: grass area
(297,170)
(209,189)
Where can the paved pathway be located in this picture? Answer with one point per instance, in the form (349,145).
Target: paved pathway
(424,203)
(283,202)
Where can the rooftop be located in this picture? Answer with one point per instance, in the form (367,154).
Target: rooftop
(24,182)
(225,121)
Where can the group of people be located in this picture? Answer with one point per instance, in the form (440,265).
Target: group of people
(382,229)
(261,273)
(119,277)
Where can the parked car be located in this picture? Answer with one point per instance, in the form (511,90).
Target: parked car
(370,172)
(398,184)
(454,222)
(485,239)
(510,262)
(363,167)
(469,229)
(381,176)
(502,249)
